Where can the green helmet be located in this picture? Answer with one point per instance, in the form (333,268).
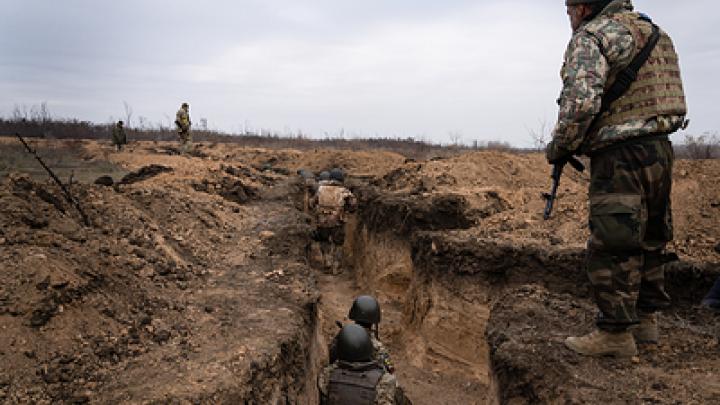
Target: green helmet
(365,310)
(354,344)
(337,174)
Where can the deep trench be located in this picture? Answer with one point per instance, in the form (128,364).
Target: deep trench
(436,288)
(436,337)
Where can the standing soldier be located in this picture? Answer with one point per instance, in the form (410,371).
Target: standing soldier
(621,120)
(118,136)
(331,203)
(355,379)
(182,120)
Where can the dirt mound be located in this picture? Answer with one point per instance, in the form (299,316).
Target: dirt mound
(144,304)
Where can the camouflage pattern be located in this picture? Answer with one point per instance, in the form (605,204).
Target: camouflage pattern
(330,203)
(118,136)
(183,123)
(630,225)
(597,51)
(388,391)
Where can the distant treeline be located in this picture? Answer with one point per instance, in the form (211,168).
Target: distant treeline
(706,146)
(74,129)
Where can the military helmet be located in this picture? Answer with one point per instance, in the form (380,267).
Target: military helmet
(365,310)
(354,344)
(185,105)
(324,176)
(337,174)
(120,122)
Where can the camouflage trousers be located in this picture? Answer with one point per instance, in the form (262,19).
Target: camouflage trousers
(326,250)
(630,225)
(185,139)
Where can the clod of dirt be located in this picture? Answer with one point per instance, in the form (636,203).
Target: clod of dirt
(145,173)
(228,188)
(106,181)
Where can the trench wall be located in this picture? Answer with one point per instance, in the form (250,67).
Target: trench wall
(449,283)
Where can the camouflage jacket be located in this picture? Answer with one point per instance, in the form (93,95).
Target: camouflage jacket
(596,49)
(387,391)
(182,120)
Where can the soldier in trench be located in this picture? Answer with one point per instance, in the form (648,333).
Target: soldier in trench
(365,311)
(355,378)
(631,164)
(331,204)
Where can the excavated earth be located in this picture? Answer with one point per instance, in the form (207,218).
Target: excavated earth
(190,284)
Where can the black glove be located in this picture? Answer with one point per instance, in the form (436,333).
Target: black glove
(555,153)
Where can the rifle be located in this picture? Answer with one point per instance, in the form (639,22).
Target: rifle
(557,170)
(66,192)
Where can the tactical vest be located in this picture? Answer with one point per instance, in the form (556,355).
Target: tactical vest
(658,89)
(354,387)
(331,205)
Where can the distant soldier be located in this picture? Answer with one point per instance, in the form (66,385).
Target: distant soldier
(182,121)
(331,203)
(355,379)
(365,311)
(118,136)
(624,130)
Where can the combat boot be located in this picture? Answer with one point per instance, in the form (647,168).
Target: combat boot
(603,343)
(647,330)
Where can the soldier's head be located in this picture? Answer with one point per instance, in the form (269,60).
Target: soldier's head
(365,311)
(185,106)
(324,176)
(582,10)
(354,344)
(337,174)
(120,123)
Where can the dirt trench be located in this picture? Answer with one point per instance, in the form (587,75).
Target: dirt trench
(435,336)
(472,320)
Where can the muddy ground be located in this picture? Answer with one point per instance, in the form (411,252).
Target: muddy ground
(191,285)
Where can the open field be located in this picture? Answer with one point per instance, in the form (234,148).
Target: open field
(192,286)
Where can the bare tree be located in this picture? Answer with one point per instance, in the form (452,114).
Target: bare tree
(705,146)
(203,124)
(20,113)
(455,138)
(540,136)
(143,123)
(128,114)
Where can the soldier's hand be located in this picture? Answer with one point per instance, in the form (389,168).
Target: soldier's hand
(555,153)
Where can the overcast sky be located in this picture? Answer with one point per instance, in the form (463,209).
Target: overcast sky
(487,70)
